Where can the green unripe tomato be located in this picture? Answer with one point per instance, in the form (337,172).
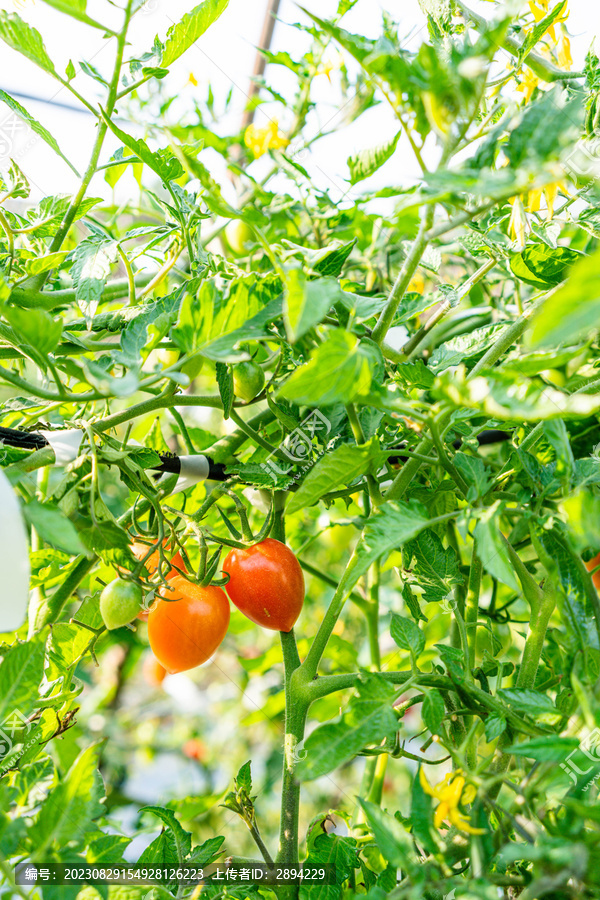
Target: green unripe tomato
(248,380)
(120,602)
(237,233)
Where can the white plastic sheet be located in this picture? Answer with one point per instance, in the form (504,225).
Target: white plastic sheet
(14,560)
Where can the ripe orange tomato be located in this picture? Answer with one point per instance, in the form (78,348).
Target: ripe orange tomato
(194,749)
(186,630)
(154,673)
(266,584)
(592,565)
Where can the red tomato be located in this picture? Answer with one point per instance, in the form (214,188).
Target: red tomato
(266,584)
(185,631)
(596,576)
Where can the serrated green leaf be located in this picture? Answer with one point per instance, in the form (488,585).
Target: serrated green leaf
(493,551)
(340,466)
(35,126)
(307,302)
(25,39)
(366,162)
(53,526)
(550,748)
(407,635)
(368,719)
(433,711)
(181,36)
(573,311)
(66,813)
(339,371)
(92,261)
(393,840)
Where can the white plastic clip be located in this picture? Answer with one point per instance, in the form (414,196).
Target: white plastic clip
(65,444)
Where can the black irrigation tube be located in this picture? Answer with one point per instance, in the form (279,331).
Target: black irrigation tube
(170,462)
(30,440)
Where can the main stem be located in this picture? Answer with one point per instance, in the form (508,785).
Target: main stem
(296,709)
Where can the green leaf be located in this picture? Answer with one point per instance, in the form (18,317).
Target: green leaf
(541,265)
(53,526)
(492,549)
(25,39)
(306,303)
(368,720)
(465,346)
(573,311)
(549,125)
(339,371)
(421,813)
(524,700)
(181,36)
(393,840)
(499,396)
(550,748)
(435,569)
(35,126)
(21,672)
(182,839)
(166,166)
(494,726)
(36,328)
(366,162)
(331,262)
(92,260)
(407,635)
(473,470)
(539,30)
(67,811)
(388,529)
(69,642)
(555,432)
(40,264)
(225,384)
(77,9)
(433,711)
(335,468)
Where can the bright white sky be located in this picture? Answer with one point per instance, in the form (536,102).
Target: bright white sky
(223,56)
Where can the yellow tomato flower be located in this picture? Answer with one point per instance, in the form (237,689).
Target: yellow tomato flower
(259,140)
(539,9)
(416,283)
(528,83)
(565,60)
(518,226)
(450,792)
(550,192)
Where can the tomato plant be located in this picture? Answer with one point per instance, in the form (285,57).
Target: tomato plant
(350,339)
(266,584)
